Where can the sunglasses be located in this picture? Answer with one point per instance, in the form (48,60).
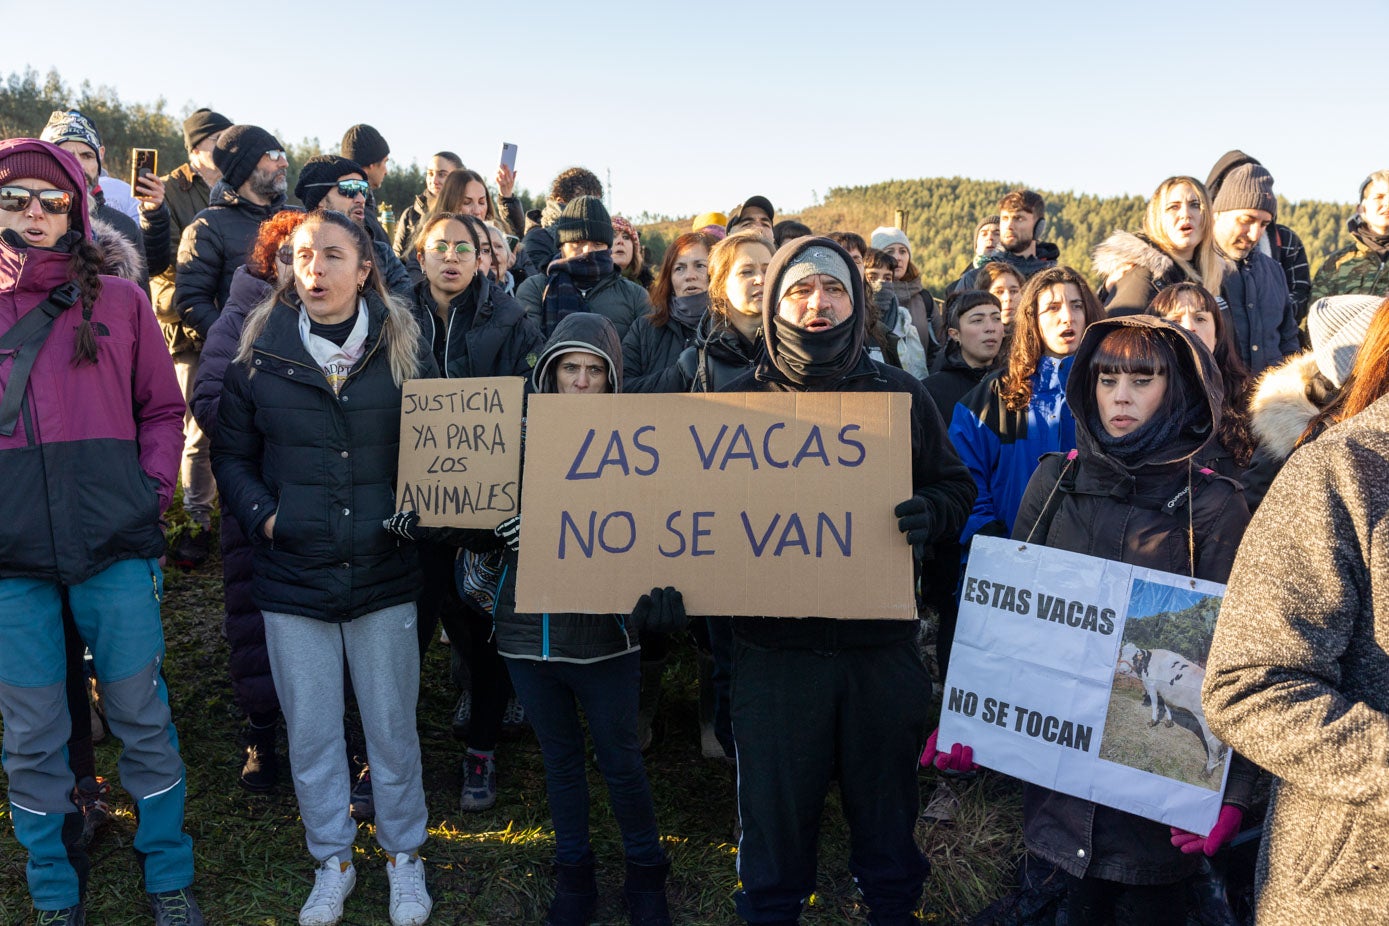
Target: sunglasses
(17,199)
(285,254)
(349,188)
(443,247)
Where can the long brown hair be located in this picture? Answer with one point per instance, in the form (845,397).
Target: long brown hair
(1368,380)
(721,260)
(662,289)
(1026,353)
(400,332)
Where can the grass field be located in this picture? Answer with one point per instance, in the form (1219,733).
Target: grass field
(488,868)
(1173,752)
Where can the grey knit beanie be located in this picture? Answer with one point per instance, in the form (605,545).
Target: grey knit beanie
(584,218)
(814,260)
(1248,186)
(1337,326)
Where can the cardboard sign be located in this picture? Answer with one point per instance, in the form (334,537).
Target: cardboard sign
(1054,655)
(775,504)
(460,450)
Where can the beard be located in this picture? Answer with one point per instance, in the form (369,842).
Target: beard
(269,184)
(1022,243)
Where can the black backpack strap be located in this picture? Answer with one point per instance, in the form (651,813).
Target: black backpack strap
(23,342)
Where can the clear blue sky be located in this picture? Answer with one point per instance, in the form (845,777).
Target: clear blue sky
(693,106)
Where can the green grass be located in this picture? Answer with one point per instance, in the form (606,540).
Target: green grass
(488,868)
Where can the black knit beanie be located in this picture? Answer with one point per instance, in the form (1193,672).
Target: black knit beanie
(364,145)
(200,125)
(585,218)
(318,175)
(239,150)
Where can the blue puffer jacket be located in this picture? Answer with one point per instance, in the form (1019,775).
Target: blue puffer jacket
(1001,447)
(1256,291)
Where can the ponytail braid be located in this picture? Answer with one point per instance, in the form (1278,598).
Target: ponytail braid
(85,267)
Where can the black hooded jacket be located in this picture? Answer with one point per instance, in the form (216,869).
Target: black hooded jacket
(938,476)
(1141,514)
(953,379)
(1044,255)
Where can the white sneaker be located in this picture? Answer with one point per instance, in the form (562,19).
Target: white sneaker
(410,903)
(332,882)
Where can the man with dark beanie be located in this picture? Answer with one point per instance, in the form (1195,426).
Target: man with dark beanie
(254,177)
(364,145)
(584,278)
(186,191)
(337,183)
(1279,241)
(1254,285)
(817,700)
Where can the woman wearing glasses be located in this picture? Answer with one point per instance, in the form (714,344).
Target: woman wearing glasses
(475,329)
(91,432)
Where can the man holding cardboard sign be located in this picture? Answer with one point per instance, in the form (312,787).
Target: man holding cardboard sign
(816,699)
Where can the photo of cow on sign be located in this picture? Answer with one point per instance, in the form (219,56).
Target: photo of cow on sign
(1155,721)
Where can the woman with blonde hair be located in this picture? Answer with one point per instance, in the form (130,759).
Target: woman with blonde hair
(1175,246)
(305,455)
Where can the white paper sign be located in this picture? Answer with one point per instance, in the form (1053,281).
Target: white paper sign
(1084,675)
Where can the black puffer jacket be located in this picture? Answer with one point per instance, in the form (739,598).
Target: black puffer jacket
(938,476)
(649,354)
(719,356)
(1256,293)
(324,465)
(564,637)
(1149,270)
(213,246)
(407,223)
(501,341)
(1137,515)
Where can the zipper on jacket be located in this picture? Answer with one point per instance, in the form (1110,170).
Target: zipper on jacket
(545,637)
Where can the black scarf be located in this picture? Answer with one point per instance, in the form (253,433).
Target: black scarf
(689,310)
(569,281)
(815,357)
(1379,244)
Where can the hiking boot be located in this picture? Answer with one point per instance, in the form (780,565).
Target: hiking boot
(71,916)
(333,881)
(260,766)
(514,717)
(479,783)
(576,895)
(176,908)
(943,805)
(463,715)
(91,797)
(410,902)
(192,548)
(363,806)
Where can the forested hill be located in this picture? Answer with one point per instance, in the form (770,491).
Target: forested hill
(942,213)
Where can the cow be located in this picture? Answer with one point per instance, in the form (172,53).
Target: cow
(1171,680)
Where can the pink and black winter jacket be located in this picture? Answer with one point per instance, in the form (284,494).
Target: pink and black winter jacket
(94,456)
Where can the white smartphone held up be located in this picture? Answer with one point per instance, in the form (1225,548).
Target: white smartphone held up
(509,156)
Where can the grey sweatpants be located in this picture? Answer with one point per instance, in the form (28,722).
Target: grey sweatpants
(307,659)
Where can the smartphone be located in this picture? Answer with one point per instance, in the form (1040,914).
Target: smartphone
(509,156)
(142,161)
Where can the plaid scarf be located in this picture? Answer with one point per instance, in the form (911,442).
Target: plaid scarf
(568,282)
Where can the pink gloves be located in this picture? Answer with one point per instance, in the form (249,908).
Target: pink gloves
(959,759)
(1226,826)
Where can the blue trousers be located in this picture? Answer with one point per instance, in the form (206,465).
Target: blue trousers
(551,693)
(117,615)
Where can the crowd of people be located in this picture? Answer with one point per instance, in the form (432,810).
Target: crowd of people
(203,331)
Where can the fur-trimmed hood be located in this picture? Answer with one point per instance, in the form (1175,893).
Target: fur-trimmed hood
(119,258)
(1285,400)
(1121,251)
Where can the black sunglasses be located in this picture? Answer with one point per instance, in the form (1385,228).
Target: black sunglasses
(17,199)
(349,188)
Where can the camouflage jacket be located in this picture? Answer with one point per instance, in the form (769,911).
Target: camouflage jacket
(1353,269)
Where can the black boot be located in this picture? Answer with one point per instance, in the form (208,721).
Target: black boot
(646,894)
(576,895)
(260,766)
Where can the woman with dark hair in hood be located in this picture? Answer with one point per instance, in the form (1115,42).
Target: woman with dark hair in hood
(1147,403)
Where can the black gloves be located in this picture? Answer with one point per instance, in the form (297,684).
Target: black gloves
(661,611)
(510,532)
(916,521)
(402,523)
